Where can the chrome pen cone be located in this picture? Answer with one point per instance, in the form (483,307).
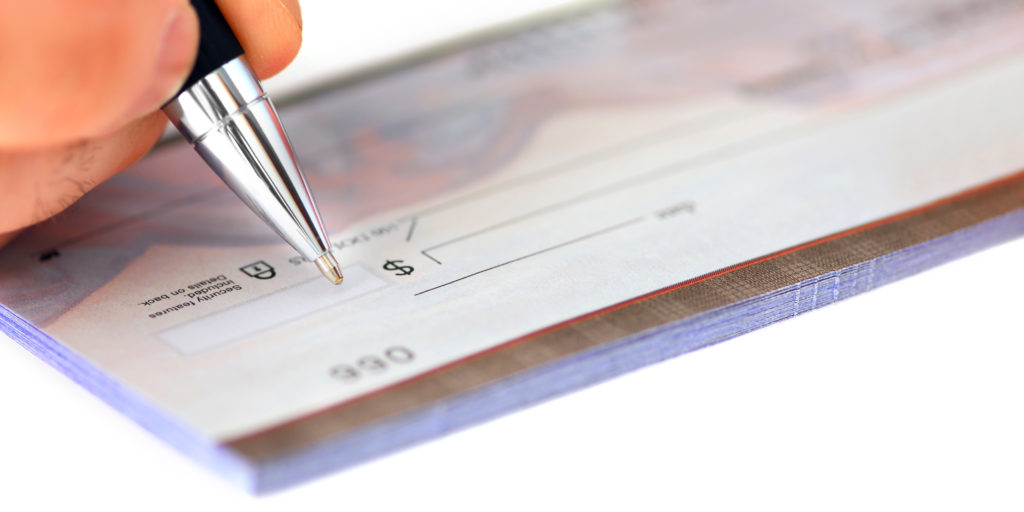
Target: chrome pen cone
(234,127)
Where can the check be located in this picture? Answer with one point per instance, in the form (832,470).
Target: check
(531,214)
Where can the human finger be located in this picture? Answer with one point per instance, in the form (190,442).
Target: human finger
(270,31)
(75,70)
(42,179)
(37,184)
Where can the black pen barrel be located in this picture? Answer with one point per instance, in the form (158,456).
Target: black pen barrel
(217,43)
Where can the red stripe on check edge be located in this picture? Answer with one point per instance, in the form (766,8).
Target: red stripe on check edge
(515,341)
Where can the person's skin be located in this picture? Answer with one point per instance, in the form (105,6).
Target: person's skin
(81,84)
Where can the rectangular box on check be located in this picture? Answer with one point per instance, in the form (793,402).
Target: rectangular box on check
(251,317)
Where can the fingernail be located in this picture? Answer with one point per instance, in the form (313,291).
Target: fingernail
(293,9)
(175,55)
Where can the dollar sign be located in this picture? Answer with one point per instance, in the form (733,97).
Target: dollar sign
(402,270)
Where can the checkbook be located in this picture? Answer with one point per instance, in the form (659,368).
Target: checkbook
(529,213)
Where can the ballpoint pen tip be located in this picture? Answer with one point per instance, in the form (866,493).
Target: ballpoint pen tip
(329,267)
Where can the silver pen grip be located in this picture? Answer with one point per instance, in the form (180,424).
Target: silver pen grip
(235,128)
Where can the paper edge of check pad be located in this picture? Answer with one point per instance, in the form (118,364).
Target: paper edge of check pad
(663,324)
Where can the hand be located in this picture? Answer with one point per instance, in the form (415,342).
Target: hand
(82,84)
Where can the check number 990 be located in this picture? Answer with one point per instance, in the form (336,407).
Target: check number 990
(372,364)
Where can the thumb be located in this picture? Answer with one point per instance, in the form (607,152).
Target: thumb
(75,69)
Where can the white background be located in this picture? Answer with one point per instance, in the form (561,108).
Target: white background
(906,397)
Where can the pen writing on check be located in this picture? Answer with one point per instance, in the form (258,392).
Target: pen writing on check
(118,63)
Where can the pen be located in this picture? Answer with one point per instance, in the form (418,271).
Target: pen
(223,112)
